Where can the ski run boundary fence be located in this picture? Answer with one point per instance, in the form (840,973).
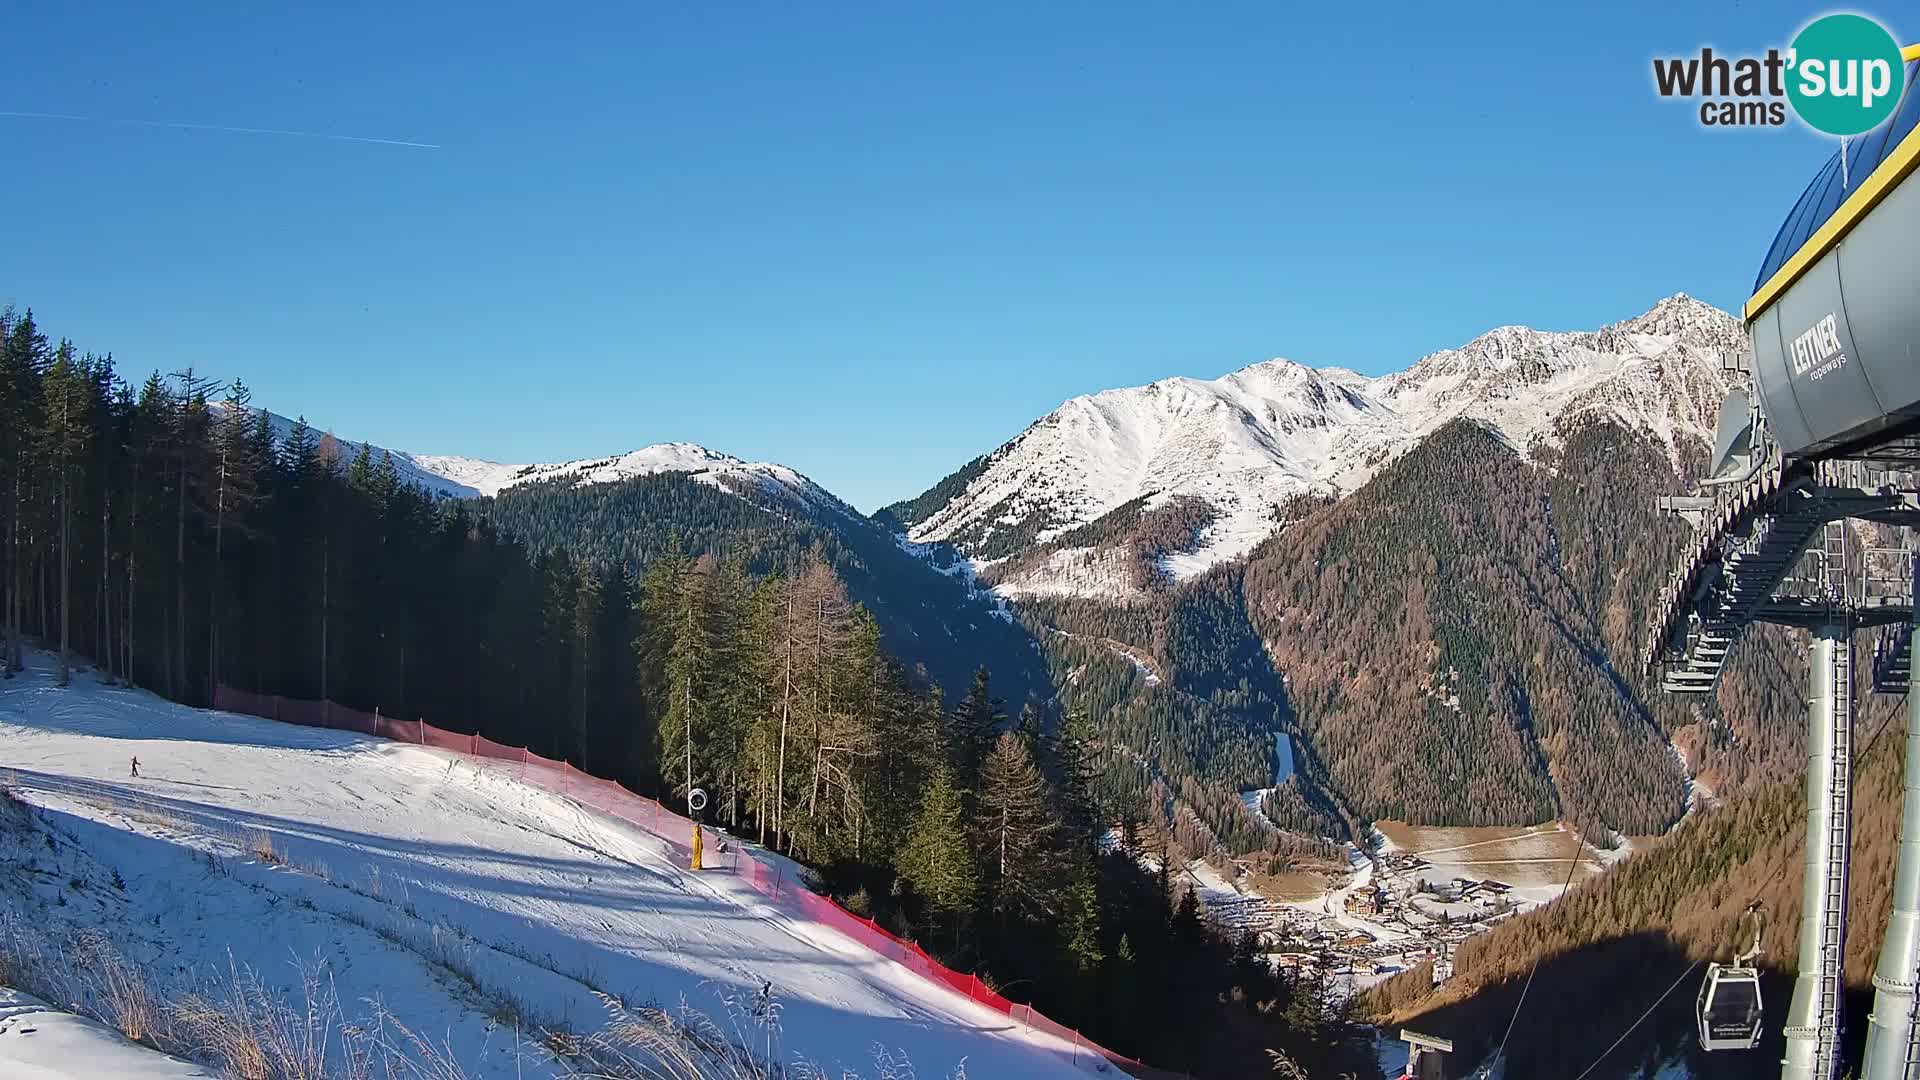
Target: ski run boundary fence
(608,797)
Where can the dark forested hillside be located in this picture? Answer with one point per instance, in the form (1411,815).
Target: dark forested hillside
(1458,636)
(912,511)
(928,618)
(1184,688)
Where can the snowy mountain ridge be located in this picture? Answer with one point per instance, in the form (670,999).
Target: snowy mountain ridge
(1249,440)
(453,476)
(744,478)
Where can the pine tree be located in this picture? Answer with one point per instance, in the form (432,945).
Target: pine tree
(23,357)
(150,479)
(690,671)
(1069,759)
(64,434)
(236,489)
(1187,932)
(1017,832)
(189,451)
(1082,928)
(976,723)
(935,859)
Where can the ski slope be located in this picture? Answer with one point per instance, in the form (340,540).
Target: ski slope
(434,886)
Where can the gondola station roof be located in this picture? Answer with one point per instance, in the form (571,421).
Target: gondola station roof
(1835,312)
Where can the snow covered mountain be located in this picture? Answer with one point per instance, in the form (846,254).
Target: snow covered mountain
(756,481)
(452,476)
(1248,442)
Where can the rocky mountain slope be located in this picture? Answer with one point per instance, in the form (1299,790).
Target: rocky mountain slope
(1235,450)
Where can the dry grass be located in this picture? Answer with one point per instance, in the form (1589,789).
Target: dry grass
(239,1024)
(235,1022)
(15,810)
(260,843)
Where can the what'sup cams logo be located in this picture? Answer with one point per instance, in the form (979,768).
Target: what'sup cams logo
(1842,76)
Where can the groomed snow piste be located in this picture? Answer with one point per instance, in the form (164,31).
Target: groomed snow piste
(392,860)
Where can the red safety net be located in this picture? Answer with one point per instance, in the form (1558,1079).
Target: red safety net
(398,730)
(487,748)
(341,719)
(766,878)
(445,740)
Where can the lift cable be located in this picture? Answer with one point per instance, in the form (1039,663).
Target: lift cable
(1752,906)
(1881,730)
(1691,968)
(1573,864)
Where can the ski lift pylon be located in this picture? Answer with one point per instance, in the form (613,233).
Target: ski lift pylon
(1730,1009)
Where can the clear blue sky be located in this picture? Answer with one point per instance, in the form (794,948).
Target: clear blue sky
(867,241)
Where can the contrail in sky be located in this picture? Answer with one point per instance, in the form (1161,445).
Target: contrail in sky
(221,127)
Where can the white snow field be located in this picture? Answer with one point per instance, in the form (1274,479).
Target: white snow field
(39,1042)
(433,886)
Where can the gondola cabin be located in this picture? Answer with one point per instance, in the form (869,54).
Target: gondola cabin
(1730,1011)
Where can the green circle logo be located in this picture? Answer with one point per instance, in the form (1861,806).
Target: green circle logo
(1846,74)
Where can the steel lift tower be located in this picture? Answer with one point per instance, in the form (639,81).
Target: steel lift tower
(1779,545)
(1806,520)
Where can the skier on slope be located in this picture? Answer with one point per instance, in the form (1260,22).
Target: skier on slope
(135,770)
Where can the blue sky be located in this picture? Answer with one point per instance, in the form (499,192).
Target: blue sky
(870,242)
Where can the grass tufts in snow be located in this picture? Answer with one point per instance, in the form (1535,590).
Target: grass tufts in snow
(260,843)
(234,1021)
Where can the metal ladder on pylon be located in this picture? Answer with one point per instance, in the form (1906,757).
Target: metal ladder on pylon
(1840,807)
(1835,580)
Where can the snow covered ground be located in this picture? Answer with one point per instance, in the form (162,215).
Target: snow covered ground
(1255,799)
(39,1042)
(442,890)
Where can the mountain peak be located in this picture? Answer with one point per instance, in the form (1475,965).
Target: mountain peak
(1249,440)
(1693,322)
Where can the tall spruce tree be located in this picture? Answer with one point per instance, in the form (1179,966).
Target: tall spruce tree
(23,358)
(65,432)
(976,723)
(935,859)
(1017,832)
